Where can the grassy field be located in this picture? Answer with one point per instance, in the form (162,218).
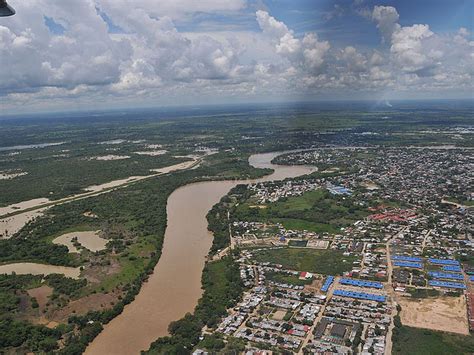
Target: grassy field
(422,293)
(414,341)
(286,279)
(301,224)
(131,263)
(298,243)
(327,262)
(300,203)
(317,211)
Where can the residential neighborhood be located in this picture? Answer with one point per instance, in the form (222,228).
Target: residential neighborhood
(406,256)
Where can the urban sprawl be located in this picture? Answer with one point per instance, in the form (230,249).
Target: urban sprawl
(408,254)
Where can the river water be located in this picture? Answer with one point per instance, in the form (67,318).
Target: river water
(175,285)
(39,269)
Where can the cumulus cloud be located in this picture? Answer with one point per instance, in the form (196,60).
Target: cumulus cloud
(422,55)
(270,25)
(151,58)
(354,60)
(33,57)
(307,53)
(150,53)
(387,20)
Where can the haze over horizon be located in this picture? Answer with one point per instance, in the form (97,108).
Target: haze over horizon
(102,54)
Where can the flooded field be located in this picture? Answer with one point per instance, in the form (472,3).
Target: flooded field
(175,285)
(171,168)
(9,176)
(29,146)
(39,269)
(21,206)
(111,157)
(152,153)
(10,225)
(90,240)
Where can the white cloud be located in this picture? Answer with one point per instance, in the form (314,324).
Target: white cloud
(153,60)
(429,58)
(270,25)
(387,20)
(32,57)
(354,60)
(408,49)
(307,53)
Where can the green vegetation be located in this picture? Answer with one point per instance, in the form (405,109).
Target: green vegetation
(15,333)
(297,243)
(217,219)
(222,289)
(316,211)
(212,342)
(65,285)
(300,224)
(11,286)
(132,261)
(55,177)
(286,279)
(134,220)
(66,169)
(422,293)
(416,341)
(467,259)
(288,316)
(233,346)
(408,340)
(35,337)
(12,250)
(328,262)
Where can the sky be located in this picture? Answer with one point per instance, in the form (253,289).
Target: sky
(98,54)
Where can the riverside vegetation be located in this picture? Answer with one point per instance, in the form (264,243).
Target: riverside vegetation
(133,218)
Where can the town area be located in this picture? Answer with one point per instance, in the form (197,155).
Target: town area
(356,257)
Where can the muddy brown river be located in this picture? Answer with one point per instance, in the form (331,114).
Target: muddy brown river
(174,288)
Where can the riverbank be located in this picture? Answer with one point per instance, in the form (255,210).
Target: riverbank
(174,288)
(16,216)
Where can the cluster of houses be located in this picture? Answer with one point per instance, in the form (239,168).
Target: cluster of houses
(425,233)
(272,192)
(332,316)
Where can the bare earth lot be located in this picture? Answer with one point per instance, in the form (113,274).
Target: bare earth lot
(443,313)
(279,315)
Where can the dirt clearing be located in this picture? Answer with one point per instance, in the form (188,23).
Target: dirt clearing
(442,313)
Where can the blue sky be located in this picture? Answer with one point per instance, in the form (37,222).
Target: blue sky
(109,53)
(339,19)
